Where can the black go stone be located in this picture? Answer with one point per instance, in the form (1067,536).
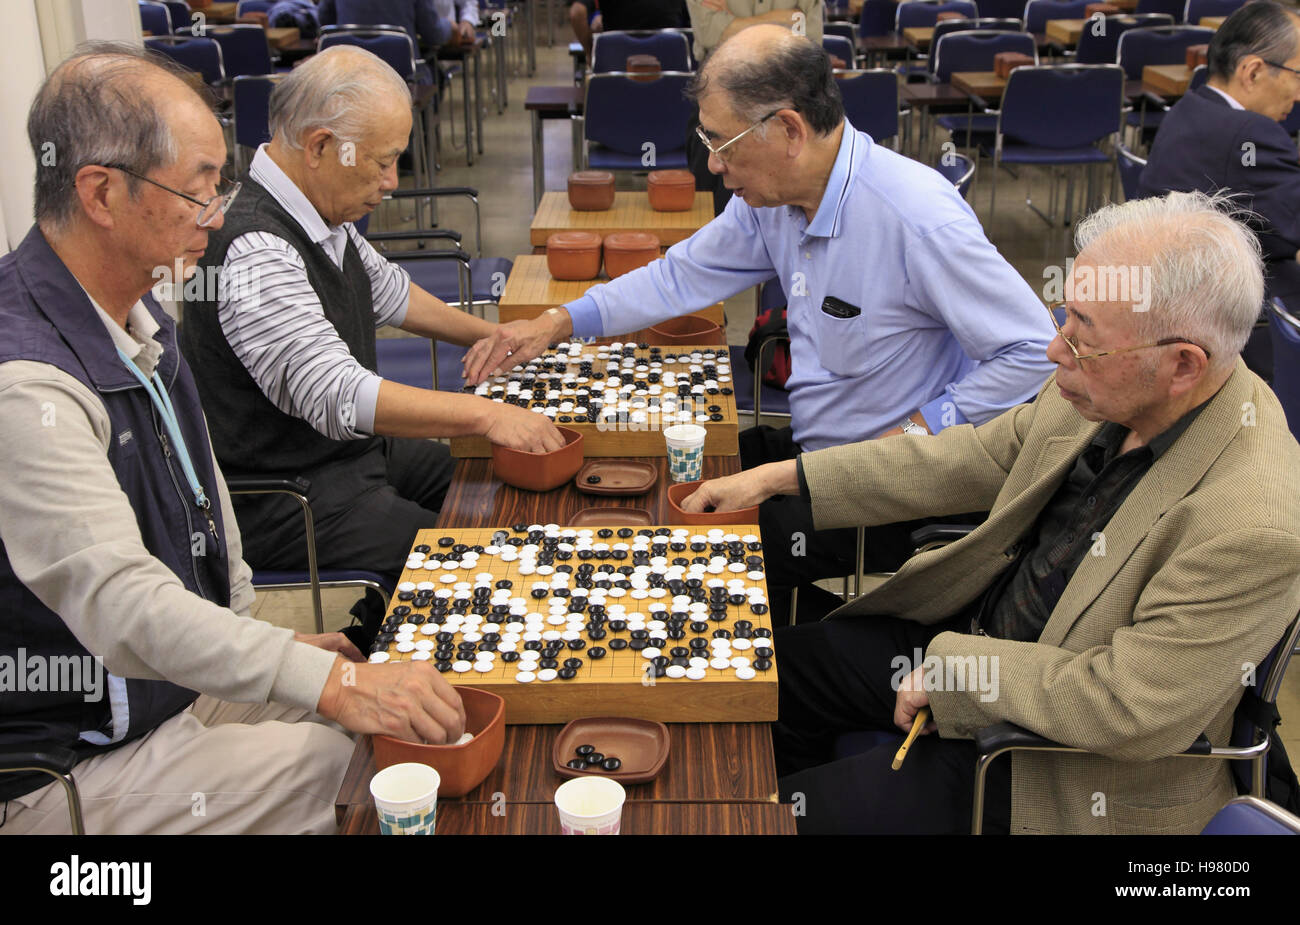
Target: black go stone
(617,644)
(595,652)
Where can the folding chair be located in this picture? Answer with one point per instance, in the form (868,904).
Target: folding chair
(633,124)
(610,50)
(1101,45)
(871,102)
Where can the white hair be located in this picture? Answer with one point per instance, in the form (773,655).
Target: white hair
(1206,273)
(336,90)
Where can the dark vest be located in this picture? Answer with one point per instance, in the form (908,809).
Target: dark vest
(46,317)
(251,435)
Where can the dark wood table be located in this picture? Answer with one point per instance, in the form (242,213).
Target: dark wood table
(720,777)
(543,103)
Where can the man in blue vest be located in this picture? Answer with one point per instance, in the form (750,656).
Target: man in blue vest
(124,629)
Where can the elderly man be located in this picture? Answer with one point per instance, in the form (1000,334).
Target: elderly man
(118,547)
(902,315)
(1143,546)
(284,354)
(1225,135)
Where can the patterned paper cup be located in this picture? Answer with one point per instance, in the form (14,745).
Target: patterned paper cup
(406,796)
(685,452)
(590,806)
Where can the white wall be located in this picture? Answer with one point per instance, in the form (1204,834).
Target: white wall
(38,35)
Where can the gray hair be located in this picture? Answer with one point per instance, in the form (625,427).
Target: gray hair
(96,108)
(1261,28)
(334,90)
(1206,276)
(794,74)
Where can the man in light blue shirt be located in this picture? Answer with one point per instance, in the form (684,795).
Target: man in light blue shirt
(902,315)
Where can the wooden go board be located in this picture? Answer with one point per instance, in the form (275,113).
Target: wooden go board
(631,212)
(631,424)
(530,290)
(592,604)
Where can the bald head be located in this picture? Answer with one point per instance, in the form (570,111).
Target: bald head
(344,89)
(108,104)
(768,67)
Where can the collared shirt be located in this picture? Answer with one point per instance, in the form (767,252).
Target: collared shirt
(136,340)
(927,313)
(273,320)
(1071,527)
(1230,99)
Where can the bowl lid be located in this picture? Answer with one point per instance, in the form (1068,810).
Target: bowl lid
(591,178)
(632,241)
(572,240)
(671,178)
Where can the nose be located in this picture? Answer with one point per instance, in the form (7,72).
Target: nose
(715,160)
(388,179)
(1058,351)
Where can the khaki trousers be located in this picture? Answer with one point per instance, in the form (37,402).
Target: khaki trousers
(217,768)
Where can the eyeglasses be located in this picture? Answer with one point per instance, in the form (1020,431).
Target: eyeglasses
(1074,348)
(717,152)
(1281,66)
(209,209)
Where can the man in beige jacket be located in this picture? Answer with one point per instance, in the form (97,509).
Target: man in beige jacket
(1141,556)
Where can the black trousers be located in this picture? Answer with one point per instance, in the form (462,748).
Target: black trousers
(796,555)
(366,512)
(839,676)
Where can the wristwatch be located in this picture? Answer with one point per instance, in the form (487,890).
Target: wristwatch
(911,427)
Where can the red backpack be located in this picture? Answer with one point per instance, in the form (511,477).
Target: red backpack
(770,323)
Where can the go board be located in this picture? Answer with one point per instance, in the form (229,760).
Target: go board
(630,212)
(621,396)
(661,623)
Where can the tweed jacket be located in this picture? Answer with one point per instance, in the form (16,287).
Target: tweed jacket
(1194,580)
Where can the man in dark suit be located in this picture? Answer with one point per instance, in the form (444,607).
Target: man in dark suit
(1226,134)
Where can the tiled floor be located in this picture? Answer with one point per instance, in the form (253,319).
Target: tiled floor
(503,176)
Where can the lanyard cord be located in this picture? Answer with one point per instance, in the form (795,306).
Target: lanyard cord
(162,401)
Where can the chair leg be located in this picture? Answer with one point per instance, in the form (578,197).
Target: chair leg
(794,605)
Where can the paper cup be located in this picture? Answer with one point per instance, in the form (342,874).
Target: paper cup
(685,452)
(406,796)
(590,806)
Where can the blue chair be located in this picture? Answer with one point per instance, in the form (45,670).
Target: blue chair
(957,169)
(751,393)
(1291,124)
(949,26)
(406,360)
(180,13)
(877,18)
(1197,9)
(253,6)
(1252,816)
(155,17)
(975,51)
(1130,170)
(1254,726)
(841,47)
(1003,9)
(845,29)
(244,49)
(621,116)
(197,54)
(1155,45)
(1102,46)
(250,98)
(1174,8)
(1201,75)
(610,50)
(1058,116)
(915,13)
(871,102)
(1038,12)
(1284,331)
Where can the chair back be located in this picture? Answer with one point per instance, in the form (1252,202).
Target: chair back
(877,17)
(253,6)
(1003,9)
(1248,815)
(1038,12)
(197,54)
(1284,331)
(1174,8)
(975,51)
(1062,106)
(957,169)
(841,47)
(871,102)
(1158,45)
(181,16)
(251,107)
(949,26)
(624,114)
(846,29)
(243,49)
(1200,76)
(915,13)
(771,295)
(610,50)
(1196,9)
(390,43)
(1101,45)
(1290,125)
(1130,170)
(155,17)
(1246,729)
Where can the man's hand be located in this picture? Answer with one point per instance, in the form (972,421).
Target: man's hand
(332,642)
(407,700)
(744,489)
(911,697)
(519,341)
(520,429)
(465,33)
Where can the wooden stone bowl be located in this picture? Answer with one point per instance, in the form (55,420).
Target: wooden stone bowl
(680,491)
(539,471)
(461,767)
(688,329)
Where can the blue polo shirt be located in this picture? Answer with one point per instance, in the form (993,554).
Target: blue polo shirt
(942,322)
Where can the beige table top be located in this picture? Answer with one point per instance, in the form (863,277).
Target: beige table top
(631,212)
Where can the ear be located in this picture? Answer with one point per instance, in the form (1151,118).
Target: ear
(99,193)
(315,145)
(795,129)
(1190,365)
(1250,69)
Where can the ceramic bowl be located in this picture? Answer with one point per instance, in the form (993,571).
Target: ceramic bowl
(671,190)
(461,767)
(627,250)
(688,329)
(539,471)
(591,190)
(573,255)
(680,491)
